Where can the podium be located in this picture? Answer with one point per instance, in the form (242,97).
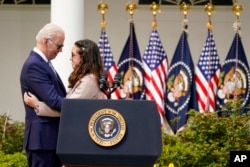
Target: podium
(137,132)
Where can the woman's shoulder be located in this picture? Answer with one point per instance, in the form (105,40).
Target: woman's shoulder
(88,76)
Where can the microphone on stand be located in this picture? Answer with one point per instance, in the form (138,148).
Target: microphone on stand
(103,82)
(106,87)
(117,81)
(115,85)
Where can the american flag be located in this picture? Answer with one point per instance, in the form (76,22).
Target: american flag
(108,60)
(207,75)
(130,67)
(155,72)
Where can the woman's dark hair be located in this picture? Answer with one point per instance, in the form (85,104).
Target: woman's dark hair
(91,62)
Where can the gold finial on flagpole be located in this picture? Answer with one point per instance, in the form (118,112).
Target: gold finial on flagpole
(154,8)
(103,7)
(237,9)
(185,7)
(209,8)
(131,7)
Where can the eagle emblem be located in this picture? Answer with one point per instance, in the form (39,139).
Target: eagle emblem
(177,86)
(132,82)
(233,85)
(107,127)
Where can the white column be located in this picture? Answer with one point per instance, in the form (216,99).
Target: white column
(69,14)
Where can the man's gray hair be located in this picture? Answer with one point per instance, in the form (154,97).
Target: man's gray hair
(48,31)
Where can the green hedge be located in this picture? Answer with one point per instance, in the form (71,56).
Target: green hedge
(11,143)
(17,159)
(206,140)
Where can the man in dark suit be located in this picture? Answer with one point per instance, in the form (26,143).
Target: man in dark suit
(39,78)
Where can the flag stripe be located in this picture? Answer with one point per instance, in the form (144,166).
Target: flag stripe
(155,72)
(207,74)
(201,86)
(108,60)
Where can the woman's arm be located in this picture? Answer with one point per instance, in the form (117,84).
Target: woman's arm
(40,107)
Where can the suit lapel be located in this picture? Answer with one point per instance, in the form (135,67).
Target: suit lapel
(55,76)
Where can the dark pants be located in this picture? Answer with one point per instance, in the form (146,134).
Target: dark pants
(43,158)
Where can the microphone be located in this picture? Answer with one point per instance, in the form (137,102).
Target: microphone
(117,80)
(116,83)
(103,82)
(106,87)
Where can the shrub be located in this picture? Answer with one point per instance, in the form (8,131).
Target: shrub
(17,159)
(11,135)
(206,140)
(11,143)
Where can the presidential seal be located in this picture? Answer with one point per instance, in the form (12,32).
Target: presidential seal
(178,87)
(234,83)
(132,82)
(107,127)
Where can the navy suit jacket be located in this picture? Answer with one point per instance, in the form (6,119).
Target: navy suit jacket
(38,78)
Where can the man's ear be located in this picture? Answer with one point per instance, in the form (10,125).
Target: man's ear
(45,41)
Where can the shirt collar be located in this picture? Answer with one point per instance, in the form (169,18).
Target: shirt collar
(40,53)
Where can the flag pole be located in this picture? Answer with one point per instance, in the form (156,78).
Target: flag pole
(154,8)
(209,8)
(102,7)
(184,7)
(131,7)
(110,68)
(237,10)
